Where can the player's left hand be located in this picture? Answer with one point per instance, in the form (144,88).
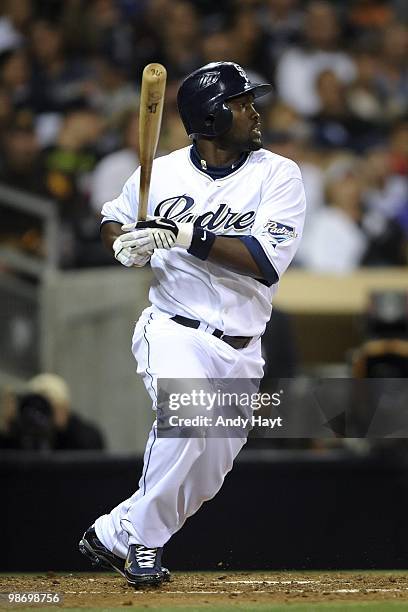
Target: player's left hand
(157,233)
(130,257)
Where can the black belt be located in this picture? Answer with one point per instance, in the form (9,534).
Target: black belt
(237,342)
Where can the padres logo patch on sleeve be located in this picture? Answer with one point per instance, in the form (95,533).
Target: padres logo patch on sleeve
(279,232)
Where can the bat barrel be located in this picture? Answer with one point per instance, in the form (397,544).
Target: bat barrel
(154,73)
(151,109)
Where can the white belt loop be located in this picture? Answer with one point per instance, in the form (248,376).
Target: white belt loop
(207,328)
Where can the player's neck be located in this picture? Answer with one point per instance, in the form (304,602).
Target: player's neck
(214,156)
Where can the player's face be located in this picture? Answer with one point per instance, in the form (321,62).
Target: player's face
(245,132)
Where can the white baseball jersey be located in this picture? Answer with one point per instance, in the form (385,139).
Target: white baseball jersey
(263,199)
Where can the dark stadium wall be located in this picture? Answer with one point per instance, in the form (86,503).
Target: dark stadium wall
(328,512)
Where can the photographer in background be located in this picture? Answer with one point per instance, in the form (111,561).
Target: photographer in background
(42,419)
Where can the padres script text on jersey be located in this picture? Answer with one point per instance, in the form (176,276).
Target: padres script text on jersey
(263,198)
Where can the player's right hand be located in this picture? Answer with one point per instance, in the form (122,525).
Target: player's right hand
(129,256)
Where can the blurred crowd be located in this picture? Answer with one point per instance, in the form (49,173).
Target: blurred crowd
(70,77)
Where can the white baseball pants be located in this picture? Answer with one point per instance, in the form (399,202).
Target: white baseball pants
(179,474)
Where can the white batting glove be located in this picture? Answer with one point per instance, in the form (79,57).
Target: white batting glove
(129,256)
(161,233)
(158,233)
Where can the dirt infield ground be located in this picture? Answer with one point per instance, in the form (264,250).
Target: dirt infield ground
(251,591)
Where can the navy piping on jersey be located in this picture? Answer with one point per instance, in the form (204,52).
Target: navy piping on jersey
(216,172)
(154,391)
(269,273)
(148,357)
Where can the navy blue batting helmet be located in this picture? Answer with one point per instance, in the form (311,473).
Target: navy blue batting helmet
(202,96)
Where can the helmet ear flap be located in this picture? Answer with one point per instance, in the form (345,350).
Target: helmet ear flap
(222,119)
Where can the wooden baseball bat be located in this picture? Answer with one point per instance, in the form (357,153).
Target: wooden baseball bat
(150,115)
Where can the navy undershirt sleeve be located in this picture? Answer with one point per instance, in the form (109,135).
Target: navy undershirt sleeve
(268,271)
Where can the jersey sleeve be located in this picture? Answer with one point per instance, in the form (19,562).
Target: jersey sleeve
(123,209)
(278,226)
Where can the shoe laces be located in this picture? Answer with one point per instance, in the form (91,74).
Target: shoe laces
(145,557)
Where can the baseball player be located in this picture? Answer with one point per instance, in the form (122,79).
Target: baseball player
(225,220)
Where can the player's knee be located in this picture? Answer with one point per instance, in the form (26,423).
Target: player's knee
(195,447)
